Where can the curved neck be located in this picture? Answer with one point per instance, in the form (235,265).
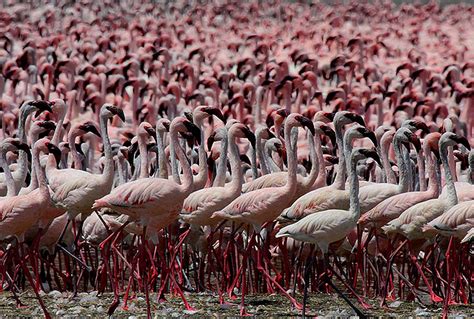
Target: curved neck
(34,179)
(340,181)
(402,167)
(273,167)
(201,178)
(11,191)
(260,155)
(313,174)
(42,182)
(353,188)
(434,185)
(452,195)
(421,168)
(290,141)
(187,184)
(174,163)
(143,157)
(322,176)
(163,167)
(23,157)
(235,186)
(59,129)
(109,161)
(222,165)
(385,147)
(72,146)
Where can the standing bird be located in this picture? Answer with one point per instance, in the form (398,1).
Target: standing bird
(200,205)
(76,190)
(332,225)
(154,202)
(264,205)
(19,175)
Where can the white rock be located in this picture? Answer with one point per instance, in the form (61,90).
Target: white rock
(395,304)
(55,294)
(60,312)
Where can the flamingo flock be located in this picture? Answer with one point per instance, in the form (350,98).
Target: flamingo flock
(237,148)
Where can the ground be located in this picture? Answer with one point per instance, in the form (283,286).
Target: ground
(89,304)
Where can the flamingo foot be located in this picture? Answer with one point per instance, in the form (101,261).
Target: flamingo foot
(244,313)
(436,298)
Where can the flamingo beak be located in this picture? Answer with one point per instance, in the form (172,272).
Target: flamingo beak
(53,149)
(217,112)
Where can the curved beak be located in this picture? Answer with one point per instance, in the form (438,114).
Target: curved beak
(415,141)
(250,136)
(371,136)
(42,106)
(356,118)
(463,141)
(152,132)
(92,129)
(48,125)
(189,116)
(422,126)
(373,154)
(53,149)
(217,112)
(119,112)
(306,122)
(194,130)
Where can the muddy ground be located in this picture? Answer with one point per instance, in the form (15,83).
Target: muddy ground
(90,305)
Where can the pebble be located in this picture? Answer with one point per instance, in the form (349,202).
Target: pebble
(55,294)
(132,317)
(87,298)
(60,312)
(422,312)
(100,309)
(395,304)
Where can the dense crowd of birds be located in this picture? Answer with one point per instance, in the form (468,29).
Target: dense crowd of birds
(237,148)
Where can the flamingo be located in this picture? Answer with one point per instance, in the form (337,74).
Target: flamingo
(331,225)
(154,202)
(264,205)
(76,190)
(330,196)
(19,213)
(200,205)
(19,175)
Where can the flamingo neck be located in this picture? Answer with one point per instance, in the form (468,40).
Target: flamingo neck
(143,157)
(273,167)
(321,179)
(222,165)
(340,180)
(163,167)
(421,168)
(434,185)
(201,179)
(260,154)
(451,189)
(402,168)
(291,141)
(23,157)
(187,184)
(74,153)
(384,149)
(41,176)
(109,161)
(11,190)
(313,174)
(354,204)
(235,186)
